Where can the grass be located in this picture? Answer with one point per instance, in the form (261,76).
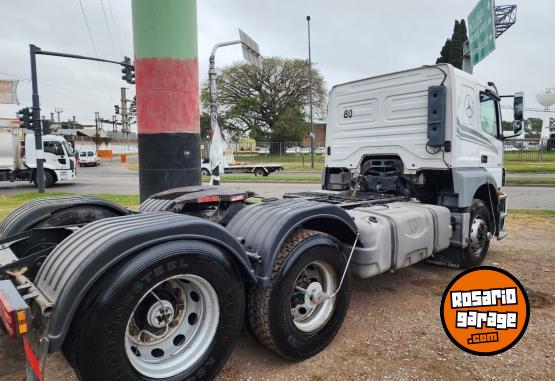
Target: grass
(541,216)
(10,202)
(290,162)
(538,180)
(530,166)
(270,179)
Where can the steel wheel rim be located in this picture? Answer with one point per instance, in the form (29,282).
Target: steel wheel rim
(321,278)
(179,318)
(478,236)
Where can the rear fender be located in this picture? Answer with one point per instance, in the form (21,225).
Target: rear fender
(73,267)
(264,228)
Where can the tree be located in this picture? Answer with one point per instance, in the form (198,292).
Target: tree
(507,126)
(452,51)
(268,103)
(534,127)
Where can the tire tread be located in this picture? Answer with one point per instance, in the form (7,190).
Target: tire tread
(258,298)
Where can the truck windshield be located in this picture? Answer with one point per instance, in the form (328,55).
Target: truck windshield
(68,148)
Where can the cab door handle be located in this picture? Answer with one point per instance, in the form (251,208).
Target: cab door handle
(484,159)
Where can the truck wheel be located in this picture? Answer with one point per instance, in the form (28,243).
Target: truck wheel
(205,172)
(77,215)
(49,178)
(259,172)
(172,313)
(479,234)
(284,317)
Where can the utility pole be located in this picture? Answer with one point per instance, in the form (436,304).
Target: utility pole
(124,113)
(310,96)
(59,111)
(96,136)
(74,125)
(166,63)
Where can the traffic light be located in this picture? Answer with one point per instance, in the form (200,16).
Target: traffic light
(116,109)
(25,116)
(128,71)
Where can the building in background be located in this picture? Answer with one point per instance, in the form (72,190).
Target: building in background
(319,138)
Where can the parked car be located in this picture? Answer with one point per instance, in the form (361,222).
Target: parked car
(293,150)
(320,150)
(263,150)
(88,157)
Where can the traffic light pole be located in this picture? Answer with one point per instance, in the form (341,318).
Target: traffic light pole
(39,151)
(128,70)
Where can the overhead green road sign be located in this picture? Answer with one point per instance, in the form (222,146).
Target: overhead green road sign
(481,26)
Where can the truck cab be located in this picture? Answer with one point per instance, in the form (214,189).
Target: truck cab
(431,133)
(59,160)
(18,156)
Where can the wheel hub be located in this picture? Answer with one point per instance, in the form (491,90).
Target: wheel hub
(160,314)
(172,326)
(479,235)
(310,309)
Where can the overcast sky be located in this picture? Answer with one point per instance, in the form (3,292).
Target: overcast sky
(350,40)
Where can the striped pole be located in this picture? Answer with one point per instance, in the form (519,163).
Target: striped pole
(167,85)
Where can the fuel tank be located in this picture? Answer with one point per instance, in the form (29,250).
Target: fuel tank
(397,235)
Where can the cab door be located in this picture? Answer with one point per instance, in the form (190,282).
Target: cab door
(491,151)
(54,155)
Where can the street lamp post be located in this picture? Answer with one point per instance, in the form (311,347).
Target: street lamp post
(251,53)
(310,96)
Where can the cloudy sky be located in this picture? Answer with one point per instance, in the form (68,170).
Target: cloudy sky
(350,39)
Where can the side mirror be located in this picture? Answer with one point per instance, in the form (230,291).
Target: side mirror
(518,107)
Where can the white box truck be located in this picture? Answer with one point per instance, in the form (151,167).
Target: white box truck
(18,156)
(414,170)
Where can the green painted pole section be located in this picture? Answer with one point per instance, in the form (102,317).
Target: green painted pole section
(165,29)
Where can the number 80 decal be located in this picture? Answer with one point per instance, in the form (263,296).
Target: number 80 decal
(348,113)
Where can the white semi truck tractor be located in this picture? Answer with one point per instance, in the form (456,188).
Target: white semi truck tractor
(18,156)
(414,171)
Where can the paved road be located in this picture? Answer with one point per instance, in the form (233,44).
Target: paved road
(115,178)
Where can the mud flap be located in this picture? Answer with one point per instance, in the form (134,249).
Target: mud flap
(451,257)
(36,348)
(34,361)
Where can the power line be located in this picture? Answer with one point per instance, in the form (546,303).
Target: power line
(116,28)
(42,83)
(109,30)
(95,51)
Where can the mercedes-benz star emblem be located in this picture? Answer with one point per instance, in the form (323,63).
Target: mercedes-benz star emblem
(468,106)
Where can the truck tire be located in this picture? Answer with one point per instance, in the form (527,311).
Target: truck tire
(205,172)
(259,172)
(32,214)
(171,313)
(77,215)
(282,316)
(49,179)
(479,234)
